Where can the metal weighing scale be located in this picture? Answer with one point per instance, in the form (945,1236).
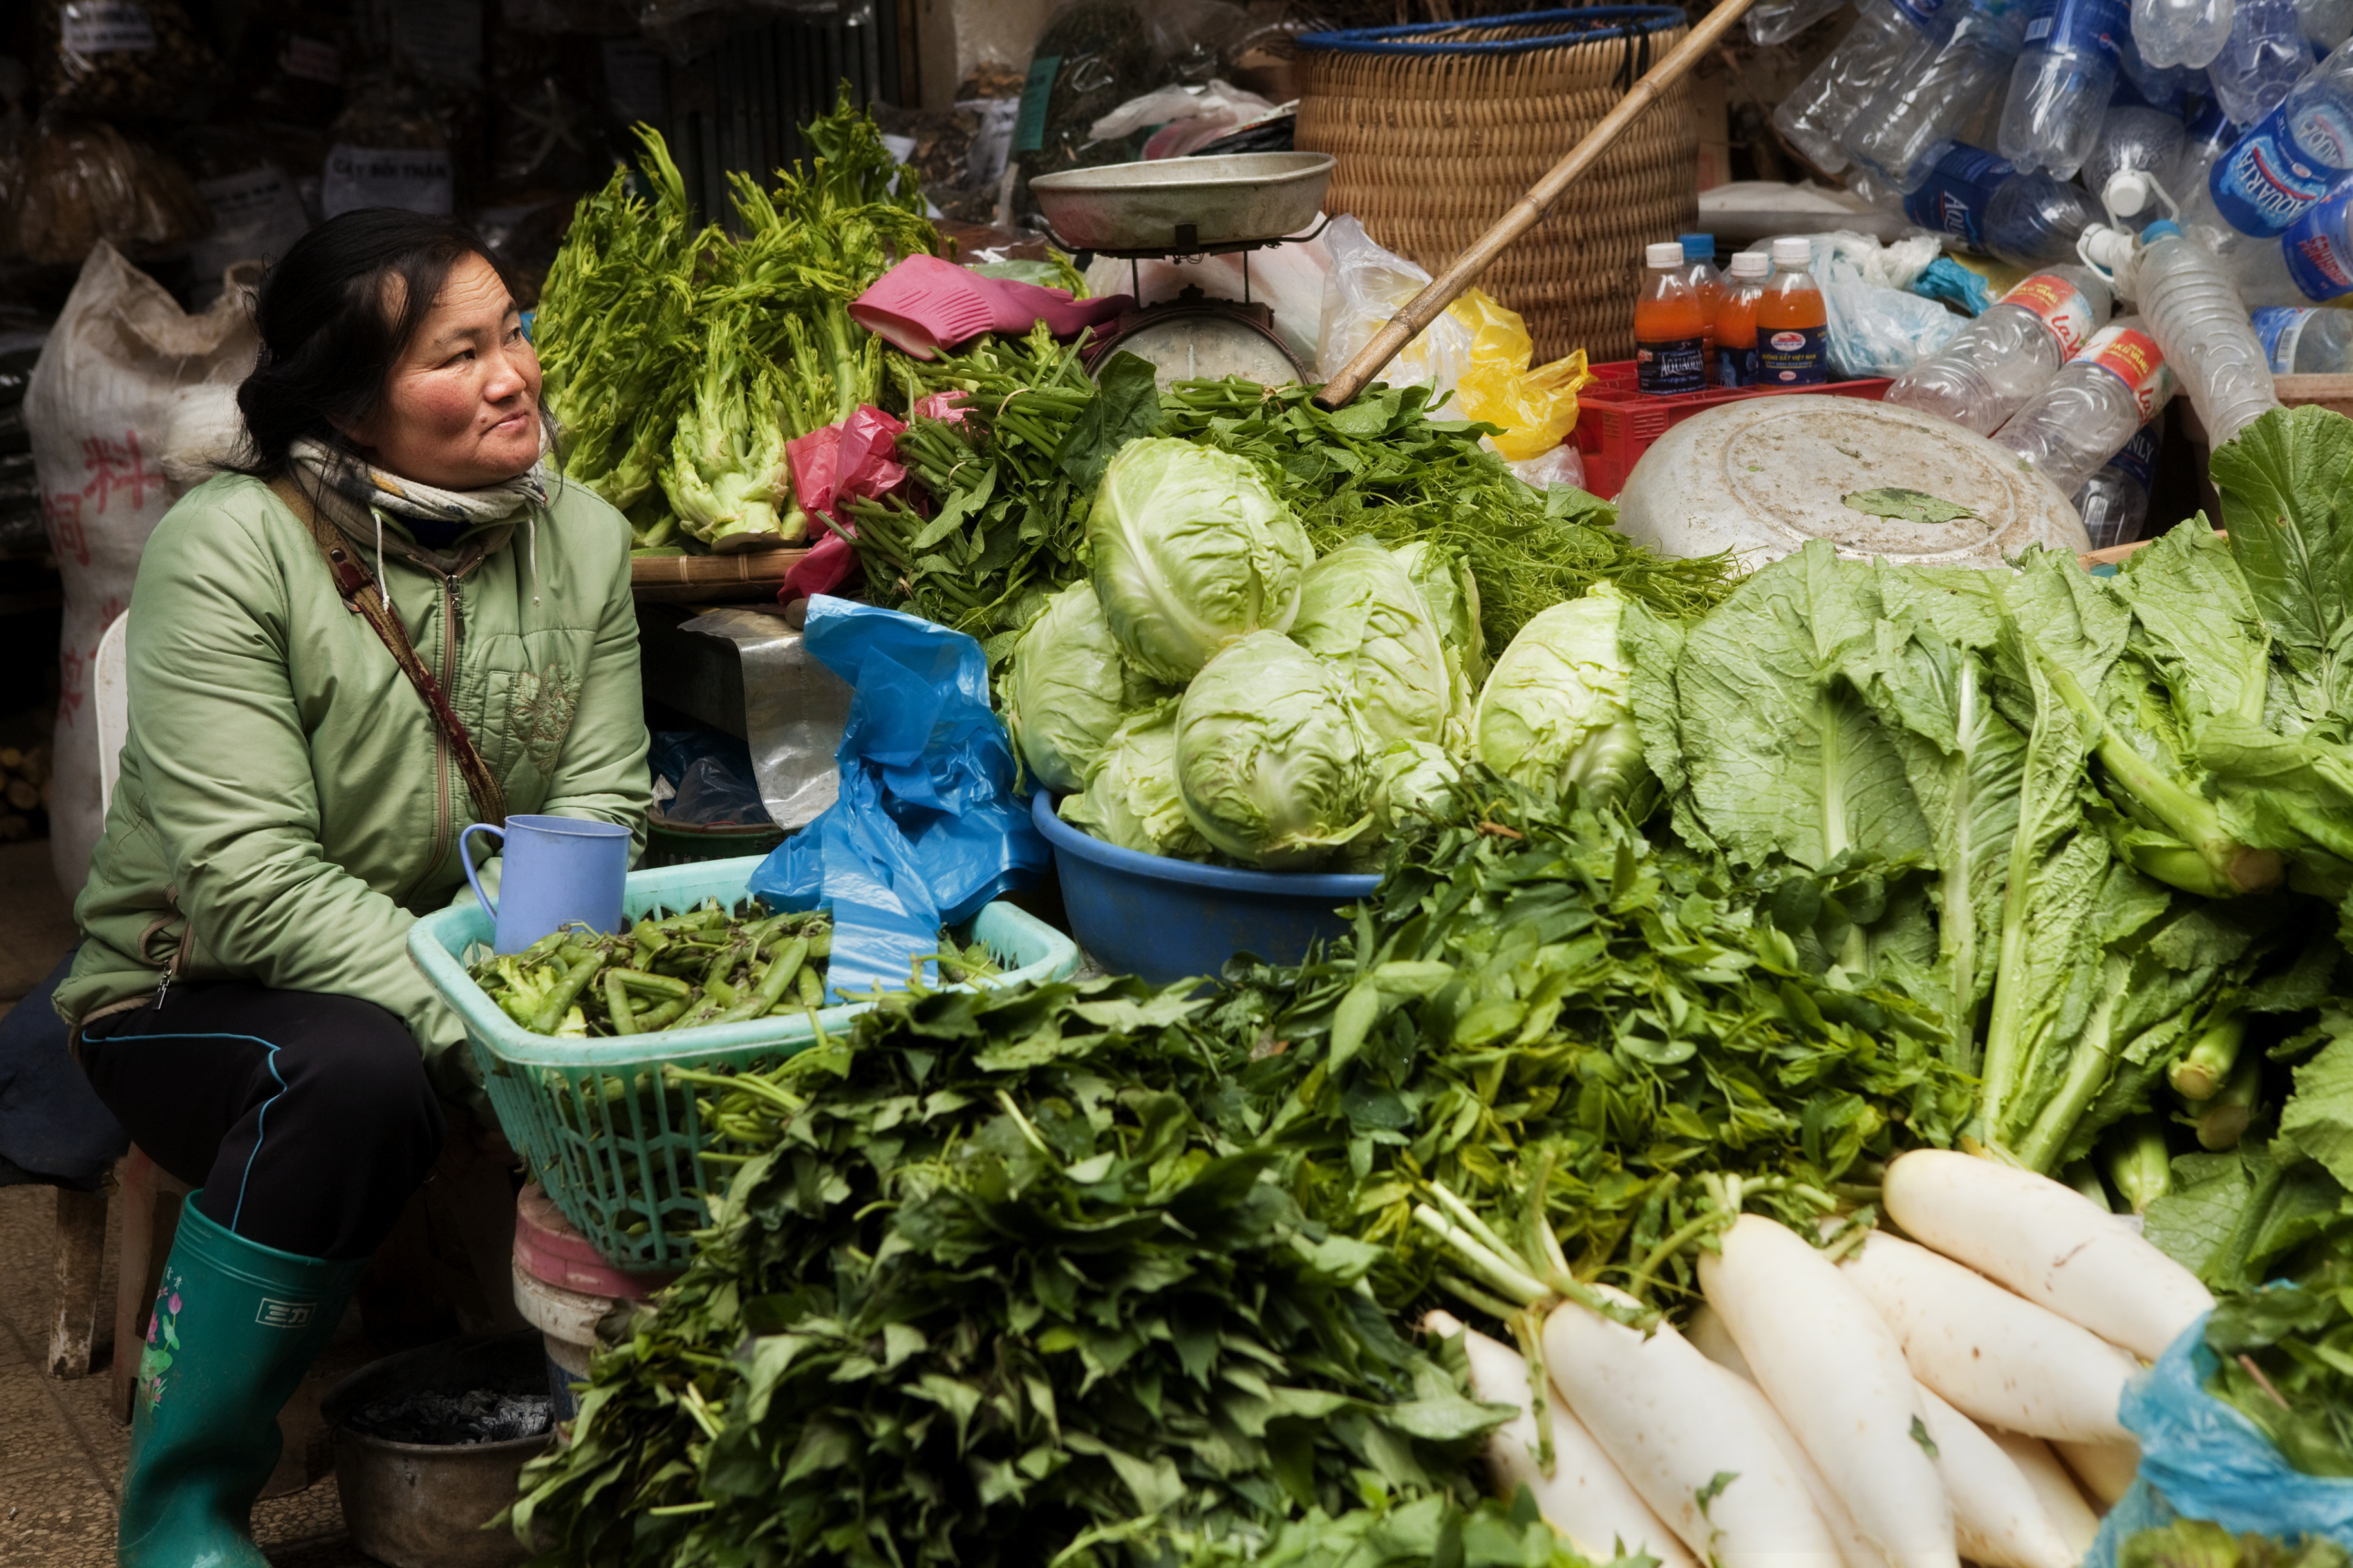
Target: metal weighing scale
(1185,209)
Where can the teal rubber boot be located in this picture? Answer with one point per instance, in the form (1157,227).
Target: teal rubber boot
(236,1324)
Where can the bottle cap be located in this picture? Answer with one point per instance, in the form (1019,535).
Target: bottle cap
(1793,250)
(2109,249)
(1699,246)
(1751,264)
(1666,253)
(2163,228)
(2128,192)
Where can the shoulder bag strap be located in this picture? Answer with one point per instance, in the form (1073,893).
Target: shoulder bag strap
(363,597)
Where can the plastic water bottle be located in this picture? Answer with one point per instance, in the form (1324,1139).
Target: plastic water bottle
(1923,108)
(2326,23)
(2311,264)
(2170,88)
(2211,134)
(2135,137)
(1779,21)
(1995,363)
(2182,32)
(2059,90)
(2284,165)
(2091,408)
(2265,56)
(2304,340)
(2114,503)
(1888,39)
(2198,318)
(1976,198)
(1735,320)
(1670,328)
(1792,322)
(1708,283)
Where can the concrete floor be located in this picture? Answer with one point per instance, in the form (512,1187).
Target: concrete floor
(61,1453)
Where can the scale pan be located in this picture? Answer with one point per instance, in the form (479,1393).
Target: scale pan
(1176,207)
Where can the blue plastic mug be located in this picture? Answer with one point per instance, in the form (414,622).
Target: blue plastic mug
(558,869)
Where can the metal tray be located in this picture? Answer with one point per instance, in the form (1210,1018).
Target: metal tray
(1178,206)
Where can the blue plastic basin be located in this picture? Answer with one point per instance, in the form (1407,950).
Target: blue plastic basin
(1171,919)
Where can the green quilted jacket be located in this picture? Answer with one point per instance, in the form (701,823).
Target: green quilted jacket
(286,808)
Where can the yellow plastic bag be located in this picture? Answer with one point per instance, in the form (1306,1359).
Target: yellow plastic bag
(1536,409)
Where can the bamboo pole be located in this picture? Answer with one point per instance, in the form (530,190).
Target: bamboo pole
(1524,214)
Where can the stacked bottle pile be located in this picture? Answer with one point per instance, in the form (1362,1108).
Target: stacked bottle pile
(2002,122)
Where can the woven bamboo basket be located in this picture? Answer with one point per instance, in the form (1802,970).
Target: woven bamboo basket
(1438,127)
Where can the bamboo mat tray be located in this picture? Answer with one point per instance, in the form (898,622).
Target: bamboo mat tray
(708,579)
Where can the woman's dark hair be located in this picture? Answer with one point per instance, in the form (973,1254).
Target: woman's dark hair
(328,341)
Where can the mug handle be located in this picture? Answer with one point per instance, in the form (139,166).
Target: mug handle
(467,860)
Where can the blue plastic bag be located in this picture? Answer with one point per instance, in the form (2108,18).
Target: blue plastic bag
(926,828)
(2201,1459)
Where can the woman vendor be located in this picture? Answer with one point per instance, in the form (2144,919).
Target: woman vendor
(290,798)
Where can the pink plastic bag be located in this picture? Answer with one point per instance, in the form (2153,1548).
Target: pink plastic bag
(857,457)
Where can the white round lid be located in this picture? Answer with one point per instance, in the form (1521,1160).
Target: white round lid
(1793,250)
(1763,475)
(1666,253)
(1751,264)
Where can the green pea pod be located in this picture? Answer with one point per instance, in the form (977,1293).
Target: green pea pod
(723,963)
(661,1017)
(821,943)
(770,990)
(617,1003)
(550,1016)
(653,984)
(542,948)
(811,985)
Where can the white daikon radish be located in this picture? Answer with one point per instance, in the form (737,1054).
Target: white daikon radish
(1585,1498)
(1706,1329)
(2049,1243)
(1997,1516)
(2062,1500)
(2107,1470)
(1837,1376)
(1997,1357)
(1705,1466)
(1857,1551)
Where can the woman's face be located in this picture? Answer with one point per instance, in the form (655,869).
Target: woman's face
(461,409)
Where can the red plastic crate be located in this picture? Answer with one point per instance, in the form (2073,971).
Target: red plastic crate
(1616,424)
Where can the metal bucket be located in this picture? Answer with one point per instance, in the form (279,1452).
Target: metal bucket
(419,1505)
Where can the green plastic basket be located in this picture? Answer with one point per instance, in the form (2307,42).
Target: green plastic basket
(622,1158)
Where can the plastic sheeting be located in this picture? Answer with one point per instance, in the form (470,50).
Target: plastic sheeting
(926,828)
(2201,1459)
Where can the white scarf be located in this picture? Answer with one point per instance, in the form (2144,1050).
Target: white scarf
(372,487)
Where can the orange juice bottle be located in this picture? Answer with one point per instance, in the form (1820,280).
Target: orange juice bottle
(1670,327)
(1735,320)
(1792,324)
(1699,266)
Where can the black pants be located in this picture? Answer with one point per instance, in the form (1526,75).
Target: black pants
(306,1119)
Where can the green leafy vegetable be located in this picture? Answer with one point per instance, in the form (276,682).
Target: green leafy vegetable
(1381,468)
(1069,687)
(1191,550)
(2284,1357)
(1360,610)
(1904,506)
(1556,706)
(684,357)
(988,1289)
(1131,798)
(2199,1544)
(1273,763)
